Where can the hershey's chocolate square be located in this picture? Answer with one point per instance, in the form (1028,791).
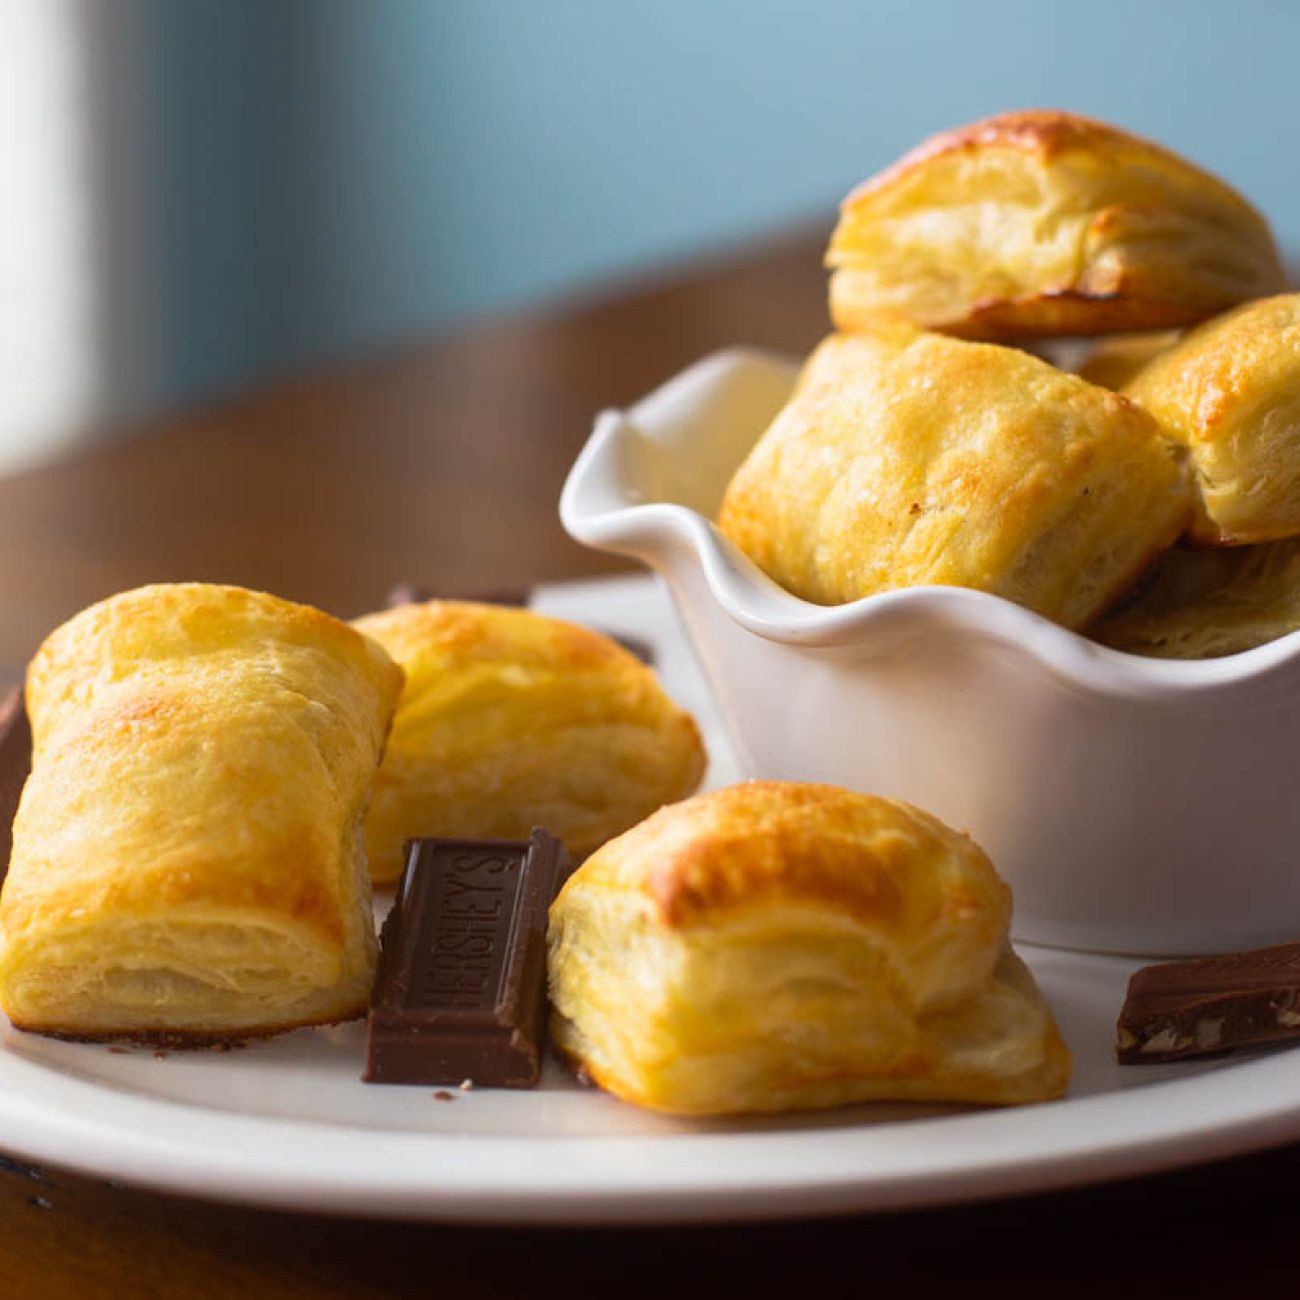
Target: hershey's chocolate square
(461,987)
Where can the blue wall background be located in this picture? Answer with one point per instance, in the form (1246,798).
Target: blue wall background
(332,177)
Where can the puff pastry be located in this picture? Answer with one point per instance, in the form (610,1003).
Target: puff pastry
(1211,602)
(187,859)
(1045,223)
(780,946)
(1230,391)
(1113,362)
(906,458)
(511,720)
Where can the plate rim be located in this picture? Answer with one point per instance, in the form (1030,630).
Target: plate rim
(178,1147)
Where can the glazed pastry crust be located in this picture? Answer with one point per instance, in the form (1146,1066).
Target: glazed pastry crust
(1046,223)
(1205,603)
(1230,391)
(187,858)
(906,459)
(511,720)
(781,946)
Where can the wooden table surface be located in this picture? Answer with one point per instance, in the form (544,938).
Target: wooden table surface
(442,467)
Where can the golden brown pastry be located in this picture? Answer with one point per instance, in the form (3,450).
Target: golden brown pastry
(1230,391)
(511,720)
(1113,362)
(187,859)
(1039,223)
(1211,602)
(911,459)
(780,946)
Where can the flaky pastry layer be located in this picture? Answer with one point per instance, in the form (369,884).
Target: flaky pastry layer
(511,720)
(1203,603)
(1114,361)
(906,458)
(1046,223)
(779,946)
(1230,391)
(187,854)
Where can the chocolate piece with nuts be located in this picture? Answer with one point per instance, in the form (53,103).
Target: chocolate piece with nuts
(1211,1004)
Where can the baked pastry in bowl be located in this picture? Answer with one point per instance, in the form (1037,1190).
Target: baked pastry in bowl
(1046,223)
(187,859)
(1101,783)
(1205,603)
(906,458)
(1113,361)
(779,946)
(511,720)
(1230,391)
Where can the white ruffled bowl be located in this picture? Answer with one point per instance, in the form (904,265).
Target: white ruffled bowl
(1134,805)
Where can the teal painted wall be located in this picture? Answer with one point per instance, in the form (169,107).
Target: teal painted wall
(335,176)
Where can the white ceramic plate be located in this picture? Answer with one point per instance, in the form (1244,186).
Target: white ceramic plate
(288,1122)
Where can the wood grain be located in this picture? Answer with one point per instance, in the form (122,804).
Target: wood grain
(441,467)
(1218,1231)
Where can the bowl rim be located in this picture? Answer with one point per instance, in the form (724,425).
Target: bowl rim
(602,507)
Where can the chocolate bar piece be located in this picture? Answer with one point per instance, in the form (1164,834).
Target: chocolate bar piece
(461,988)
(15,763)
(1211,1004)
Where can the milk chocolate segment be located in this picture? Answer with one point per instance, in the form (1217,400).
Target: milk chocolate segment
(1210,1005)
(15,763)
(461,988)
